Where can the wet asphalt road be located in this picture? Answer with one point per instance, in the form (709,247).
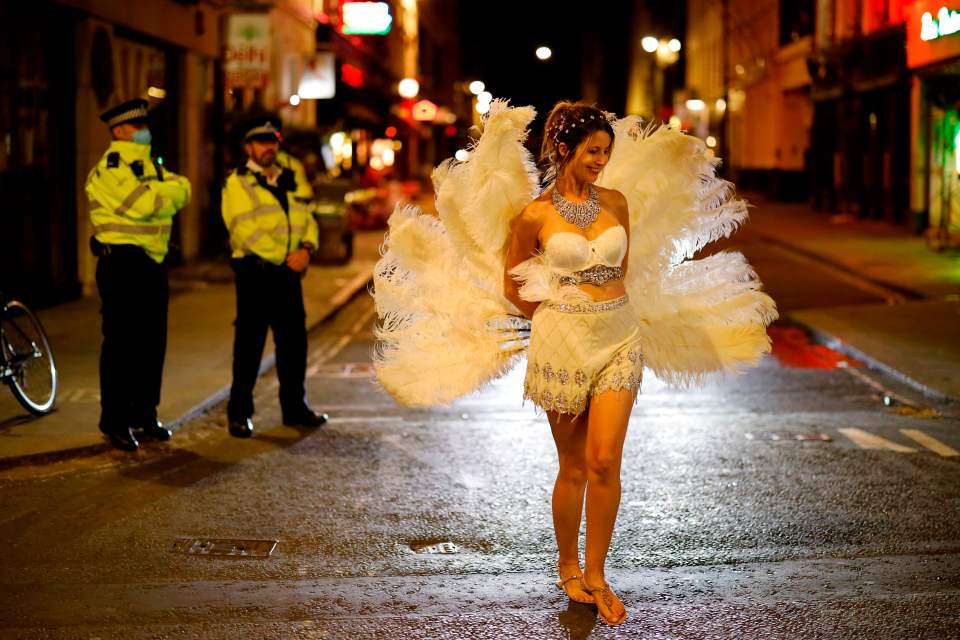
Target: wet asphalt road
(720,535)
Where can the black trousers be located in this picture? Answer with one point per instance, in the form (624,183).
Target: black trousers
(134,293)
(268,296)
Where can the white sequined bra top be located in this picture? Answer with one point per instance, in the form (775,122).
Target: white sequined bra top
(594,261)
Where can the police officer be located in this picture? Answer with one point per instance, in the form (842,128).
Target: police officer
(266,209)
(132,203)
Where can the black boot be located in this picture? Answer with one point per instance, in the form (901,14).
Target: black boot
(122,439)
(305,417)
(157,431)
(240,428)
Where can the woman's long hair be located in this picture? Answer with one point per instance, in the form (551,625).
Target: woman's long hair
(570,123)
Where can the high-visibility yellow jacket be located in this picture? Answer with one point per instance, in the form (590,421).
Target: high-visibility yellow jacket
(257,220)
(130,203)
(293,163)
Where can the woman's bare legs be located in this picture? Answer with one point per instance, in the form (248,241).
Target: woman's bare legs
(606,431)
(570,436)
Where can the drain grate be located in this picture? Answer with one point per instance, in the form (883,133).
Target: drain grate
(434,548)
(226,547)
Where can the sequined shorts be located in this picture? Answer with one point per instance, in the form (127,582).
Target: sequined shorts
(581,350)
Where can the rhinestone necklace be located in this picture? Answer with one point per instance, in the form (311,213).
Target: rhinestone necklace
(581,214)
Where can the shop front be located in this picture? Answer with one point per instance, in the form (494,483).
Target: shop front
(861,149)
(933,57)
(37,155)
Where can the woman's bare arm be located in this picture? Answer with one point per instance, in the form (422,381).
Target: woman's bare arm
(621,209)
(521,246)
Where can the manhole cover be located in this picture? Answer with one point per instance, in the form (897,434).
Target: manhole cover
(786,435)
(434,547)
(230,547)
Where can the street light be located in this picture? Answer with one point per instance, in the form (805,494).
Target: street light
(666,52)
(544,53)
(476,87)
(408,88)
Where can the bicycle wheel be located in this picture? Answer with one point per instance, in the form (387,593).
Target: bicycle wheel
(27,350)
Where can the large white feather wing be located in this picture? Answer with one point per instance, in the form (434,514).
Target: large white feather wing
(445,326)
(697,317)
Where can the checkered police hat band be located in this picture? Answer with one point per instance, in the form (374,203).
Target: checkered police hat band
(126,116)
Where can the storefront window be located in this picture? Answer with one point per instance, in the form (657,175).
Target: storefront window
(796,20)
(945,169)
(37,94)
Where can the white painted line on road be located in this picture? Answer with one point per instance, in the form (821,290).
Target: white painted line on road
(342,342)
(866,440)
(867,380)
(930,442)
(346,291)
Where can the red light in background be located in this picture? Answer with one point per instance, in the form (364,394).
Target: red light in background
(352,76)
(391,131)
(450,131)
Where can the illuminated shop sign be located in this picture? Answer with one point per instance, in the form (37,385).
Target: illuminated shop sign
(946,23)
(366,18)
(319,78)
(956,150)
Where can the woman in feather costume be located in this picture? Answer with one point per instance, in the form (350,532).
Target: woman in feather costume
(453,294)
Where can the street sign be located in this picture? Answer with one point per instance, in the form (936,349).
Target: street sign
(247,56)
(319,78)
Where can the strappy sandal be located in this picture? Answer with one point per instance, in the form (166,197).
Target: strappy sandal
(605,597)
(578,576)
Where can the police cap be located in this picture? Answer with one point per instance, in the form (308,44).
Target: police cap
(262,127)
(129,112)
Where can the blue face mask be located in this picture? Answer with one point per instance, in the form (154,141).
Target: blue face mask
(142,136)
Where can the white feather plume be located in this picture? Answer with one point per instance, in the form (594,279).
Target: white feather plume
(699,317)
(439,283)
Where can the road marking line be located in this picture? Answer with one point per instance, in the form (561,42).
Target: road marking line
(930,442)
(867,380)
(349,289)
(344,340)
(866,440)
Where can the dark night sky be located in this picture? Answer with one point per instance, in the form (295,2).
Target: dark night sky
(499,42)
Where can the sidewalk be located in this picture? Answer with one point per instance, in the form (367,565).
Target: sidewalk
(198,361)
(915,335)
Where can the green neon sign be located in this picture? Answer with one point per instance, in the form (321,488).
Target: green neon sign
(956,151)
(946,23)
(366,18)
